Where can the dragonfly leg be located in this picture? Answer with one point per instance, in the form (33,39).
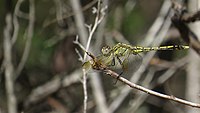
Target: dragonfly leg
(113,62)
(119,60)
(118,77)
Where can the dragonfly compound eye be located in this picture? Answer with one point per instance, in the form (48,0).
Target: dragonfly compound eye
(105,50)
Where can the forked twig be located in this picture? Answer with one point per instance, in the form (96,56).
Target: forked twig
(8,66)
(29,36)
(99,12)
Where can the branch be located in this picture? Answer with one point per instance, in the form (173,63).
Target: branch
(98,92)
(59,12)
(192,78)
(9,69)
(16,28)
(99,66)
(141,97)
(158,23)
(148,91)
(52,86)
(15,21)
(83,35)
(86,7)
(79,21)
(100,12)
(29,39)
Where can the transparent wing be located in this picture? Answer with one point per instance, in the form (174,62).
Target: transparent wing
(124,64)
(105,60)
(131,63)
(88,65)
(135,62)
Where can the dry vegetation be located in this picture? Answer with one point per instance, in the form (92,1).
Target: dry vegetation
(41,56)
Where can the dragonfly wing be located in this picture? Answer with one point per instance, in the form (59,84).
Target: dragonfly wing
(100,60)
(135,62)
(131,63)
(106,60)
(125,64)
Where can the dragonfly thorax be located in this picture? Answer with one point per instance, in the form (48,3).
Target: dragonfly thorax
(106,50)
(122,51)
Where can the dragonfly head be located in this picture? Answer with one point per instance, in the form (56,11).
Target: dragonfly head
(106,50)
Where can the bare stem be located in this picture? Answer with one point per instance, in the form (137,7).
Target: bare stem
(79,19)
(9,70)
(151,92)
(29,38)
(15,21)
(83,37)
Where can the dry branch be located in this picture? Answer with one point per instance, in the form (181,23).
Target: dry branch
(99,12)
(148,91)
(52,86)
(9,69)
(29,39)
(99,66)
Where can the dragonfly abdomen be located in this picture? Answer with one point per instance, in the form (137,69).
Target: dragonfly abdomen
(139,49)
(172,47)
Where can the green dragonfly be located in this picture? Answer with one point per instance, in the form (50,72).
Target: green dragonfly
(121,54)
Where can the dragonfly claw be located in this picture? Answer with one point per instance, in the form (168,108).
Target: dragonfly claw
(118,77)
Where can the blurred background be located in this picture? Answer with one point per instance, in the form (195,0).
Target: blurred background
(41,72)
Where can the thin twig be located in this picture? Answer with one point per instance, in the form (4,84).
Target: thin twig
(99,11)
(23,15)
(98,94)
(52,86)
(83,38)
(29,39)
(85,91)
(95,80)
(84,81)
(79,19)
(99,17)
(16,28)
(192,78)
(86,7)
(148,91)
(141,96)
(59,12)
(9,69)
(157,25)
(43,91)
(162,79)
(103,68)
(168,74)
(101,30)
(15,21)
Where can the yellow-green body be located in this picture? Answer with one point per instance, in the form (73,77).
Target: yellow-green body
(110,54)
(121,49)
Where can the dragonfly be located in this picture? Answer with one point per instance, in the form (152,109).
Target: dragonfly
(121,54)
